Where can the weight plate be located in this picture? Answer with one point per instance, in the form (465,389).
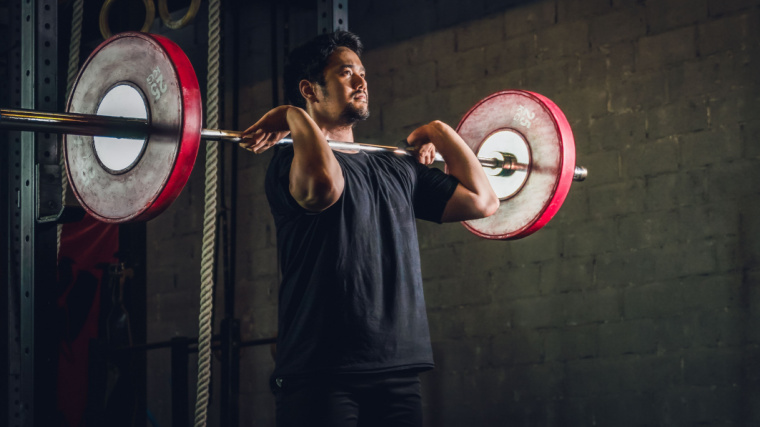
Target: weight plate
(541,191)
(154,70)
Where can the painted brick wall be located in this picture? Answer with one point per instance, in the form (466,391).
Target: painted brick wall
(638,304)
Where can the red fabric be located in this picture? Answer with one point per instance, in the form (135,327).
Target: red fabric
(87,247)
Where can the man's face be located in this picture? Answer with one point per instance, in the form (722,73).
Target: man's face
(344,97)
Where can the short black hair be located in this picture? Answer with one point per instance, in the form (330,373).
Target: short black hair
(308,62)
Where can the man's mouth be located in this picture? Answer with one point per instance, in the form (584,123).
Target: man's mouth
(361,96)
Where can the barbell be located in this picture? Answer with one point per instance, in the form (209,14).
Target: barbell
(133,126)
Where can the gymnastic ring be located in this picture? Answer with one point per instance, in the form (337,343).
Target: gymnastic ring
(163,11)
(105,29)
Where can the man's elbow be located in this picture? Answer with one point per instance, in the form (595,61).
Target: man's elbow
(467,205)
(319,194)
(487,205)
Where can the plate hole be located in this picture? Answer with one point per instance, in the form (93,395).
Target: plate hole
(120,154)
(499,145)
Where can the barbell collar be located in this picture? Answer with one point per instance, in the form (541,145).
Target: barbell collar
(580,173)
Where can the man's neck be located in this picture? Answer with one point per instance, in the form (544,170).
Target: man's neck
(338,133)
(331,129)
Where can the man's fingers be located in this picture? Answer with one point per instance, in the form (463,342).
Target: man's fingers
(261,145)
(428,158)
(424,156)
(267,141)
(253,139)
(427,153)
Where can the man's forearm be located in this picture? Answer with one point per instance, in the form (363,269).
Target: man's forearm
(316,179)
(474,197)
(461,162)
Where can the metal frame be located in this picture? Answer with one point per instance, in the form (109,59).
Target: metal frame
(39,158)
(332,15)
(28,216)
(12,354)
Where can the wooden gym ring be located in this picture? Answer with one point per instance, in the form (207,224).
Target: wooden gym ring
(105,10)
(163,11)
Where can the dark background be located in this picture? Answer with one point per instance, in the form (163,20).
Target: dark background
(637,305)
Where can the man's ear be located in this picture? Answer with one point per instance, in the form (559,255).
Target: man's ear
(308,90)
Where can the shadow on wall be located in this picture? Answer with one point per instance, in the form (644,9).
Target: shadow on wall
(386,22)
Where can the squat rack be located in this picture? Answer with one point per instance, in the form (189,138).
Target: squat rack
(29,252)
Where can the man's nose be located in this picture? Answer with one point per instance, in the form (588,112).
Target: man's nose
(360,82)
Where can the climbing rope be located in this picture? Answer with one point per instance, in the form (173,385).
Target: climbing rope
(74,43)
(208,254)
(76,40)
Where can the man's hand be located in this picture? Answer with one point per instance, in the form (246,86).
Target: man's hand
(423,152)
(267,131)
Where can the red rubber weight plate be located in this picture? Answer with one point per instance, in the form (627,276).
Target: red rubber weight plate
(155,69)
(550,143)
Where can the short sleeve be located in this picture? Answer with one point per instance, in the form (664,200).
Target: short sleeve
(277,185)
(431,194)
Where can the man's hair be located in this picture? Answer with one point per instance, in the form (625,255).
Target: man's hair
(308,62)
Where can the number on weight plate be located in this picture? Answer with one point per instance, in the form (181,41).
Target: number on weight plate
(156,84)
(524,116)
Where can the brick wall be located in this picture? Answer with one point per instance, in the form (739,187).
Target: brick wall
(638,304)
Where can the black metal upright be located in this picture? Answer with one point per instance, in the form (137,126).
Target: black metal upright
(39,199)
(11,172)
(27,218)
(332,15)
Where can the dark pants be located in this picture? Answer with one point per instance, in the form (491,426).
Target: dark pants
(355,400)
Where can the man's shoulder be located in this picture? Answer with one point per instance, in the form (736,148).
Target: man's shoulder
(395,160)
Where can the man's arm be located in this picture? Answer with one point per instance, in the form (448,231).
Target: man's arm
(474,197)
(316,179)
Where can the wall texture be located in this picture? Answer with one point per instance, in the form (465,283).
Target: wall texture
(637,305)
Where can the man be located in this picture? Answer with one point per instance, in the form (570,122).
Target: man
(353,332)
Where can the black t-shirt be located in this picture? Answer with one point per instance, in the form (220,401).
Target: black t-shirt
(351,296)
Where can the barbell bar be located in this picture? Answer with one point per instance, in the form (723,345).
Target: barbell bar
(153,106)
(135,128)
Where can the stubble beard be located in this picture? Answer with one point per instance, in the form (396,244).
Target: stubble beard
(352,114)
